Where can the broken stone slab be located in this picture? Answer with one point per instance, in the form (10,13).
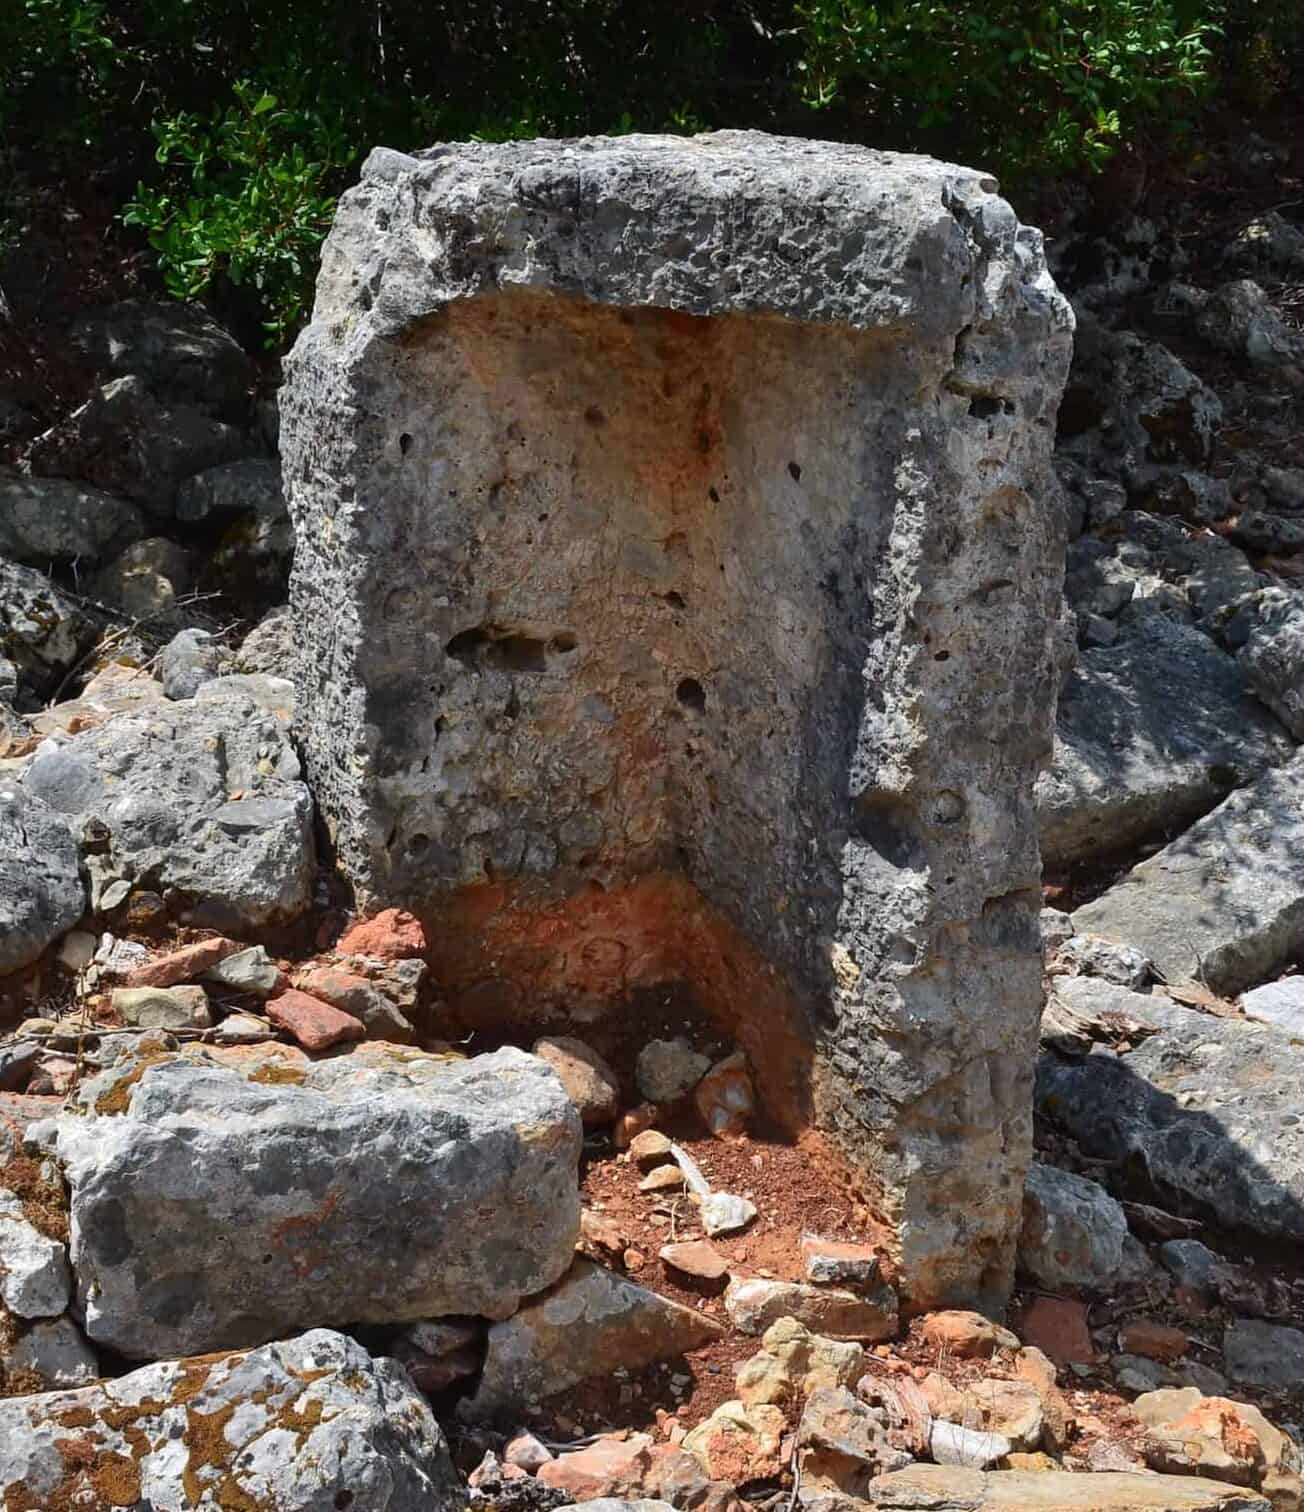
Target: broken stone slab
(1279,1003)
(941,1488)
(202,800)
(355,995)
(41,890)
(34,1278)
(1073,1231)
(162,1007)
(347,1191)
(845,1441)
(951,1444)
(310,1423)
(764,582)
(590,1321)
(754,1303)
(1224,902)
(42,630)
(44,520)
(1150,733)
(252,971)
(1206,1109)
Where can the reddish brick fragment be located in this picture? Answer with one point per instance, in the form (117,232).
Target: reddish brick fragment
(316,1025)
(393,935)
(185,965)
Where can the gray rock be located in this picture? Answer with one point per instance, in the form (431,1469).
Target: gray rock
(1206,1113)
(1273,659)
(1261,1354)
(162,1007)
(274,695)
(1268,534)
(42,630)
(1056,929)
(190,659)
(269,646)
(1151,733)
(126,441)
(315,1423)
(251,971)
(34,1278)
(1087,955)
(1225,901)
(1238,319)
(592,1319)
(41,891)
(45,520)
(1073,1231)
(1105,501)
(667,1070)
(179,351)
(373,1190)
(54,1350)
(147,579)
(1284,487)
(1192,1264)
(202,803)
(950,1444)
(248,487)
(1269,240)
(445,650)
(1138,1374)
(1280,1003)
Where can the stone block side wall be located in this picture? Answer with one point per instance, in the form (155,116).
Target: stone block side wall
(676,572)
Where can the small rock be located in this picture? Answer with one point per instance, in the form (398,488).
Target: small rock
(147,579)
(359,997)
(724,1097)
(695,1258)
(1089,955)
(189,660)
(252,971)
(54,1350)
(185,965)
(650,1148)
(967,1335)
(1190,1434)
(846,1443)
(723,1213)
(739,1443)
(1156,1341)
(1264,1354)
(831,1262)
(314,1024)
(589,1081)
(1137,1374)
(792,1362)
(666,1178)
(163,1007)
(754,1304)
(76,950)
(1073,1230)
(633,1123)
(612,1467)
(1056,930)
(1192,1264)
(667,1070)
(41,891)
(1058,1327)
(634,1260)
(35,1281)
(242,1029)
(526,1452)
(951,1444)
(1280,1003)
(431,1374)
(392,935)
(443,1336)
(600,1236)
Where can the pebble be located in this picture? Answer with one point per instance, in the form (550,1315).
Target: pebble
(663,1179)
(316,1025)
(723,1213)
(650,1148)
(696,1258)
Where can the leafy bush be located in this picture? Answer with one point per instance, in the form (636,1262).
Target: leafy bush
(1035,84)
(248,201)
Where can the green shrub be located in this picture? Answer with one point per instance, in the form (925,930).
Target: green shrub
(1034,84)
(248,201)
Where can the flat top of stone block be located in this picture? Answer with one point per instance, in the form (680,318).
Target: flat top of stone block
(730,221)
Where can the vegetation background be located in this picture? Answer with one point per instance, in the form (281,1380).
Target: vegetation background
(223,130)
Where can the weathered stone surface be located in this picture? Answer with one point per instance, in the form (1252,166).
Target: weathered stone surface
(147,579)
(833,1262)
(667,1070)
(1208,1109)
(951,1444)
(41,892)
(45,520)
(1280,1003)
(34,1277)
(190,659)
(1225,900)
(846,1442)
(590,1322)
(665,583)
(1073,1230)
(738,1443)
(1264,1354)
(115,689)
(42,631)
(1191,1434)
(754,1304)
(967,1335)
(163,1007)
(1273,661)
(251,970)
(346,1191)
(939,1488)
(187,964)
(53,1350)
(792,1362)
(315,1024)
(309,1424)
(1150,733)
(251,486)
(269,646)
(178,349)
(590,1082)
(202,802)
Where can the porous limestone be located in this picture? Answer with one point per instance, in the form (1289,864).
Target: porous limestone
(676,577)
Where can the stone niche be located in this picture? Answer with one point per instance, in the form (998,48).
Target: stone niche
(677,567)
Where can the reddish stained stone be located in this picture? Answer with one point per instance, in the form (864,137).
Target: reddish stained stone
(316,1025)
(393,935)
(185,965)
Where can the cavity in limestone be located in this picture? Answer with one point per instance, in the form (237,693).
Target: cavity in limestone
(677,561)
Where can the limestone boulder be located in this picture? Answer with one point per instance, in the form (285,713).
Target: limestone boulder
(311,1423)
(1073,1230)
(801,455)
(1224,902)
(45,520)
(199,801)
(1189,1433)
(1205,1108)
(1150,733)
(43,632)
(221,1205)
(41,891)
(589,1323)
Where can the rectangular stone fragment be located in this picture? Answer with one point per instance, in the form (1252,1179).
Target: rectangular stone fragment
(677,565)
(217,1205)
(315,1024)
(1224,903)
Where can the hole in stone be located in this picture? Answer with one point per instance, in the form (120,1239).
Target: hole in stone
(675,600)
(405,443)
(518,653)
(942,656)
(466,646)
(983,408)
(563,643)
(594,415)
(877,820)
(506,650)
(418,844)
(794,470)
(714,495)
(691,694)
(343,1499)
